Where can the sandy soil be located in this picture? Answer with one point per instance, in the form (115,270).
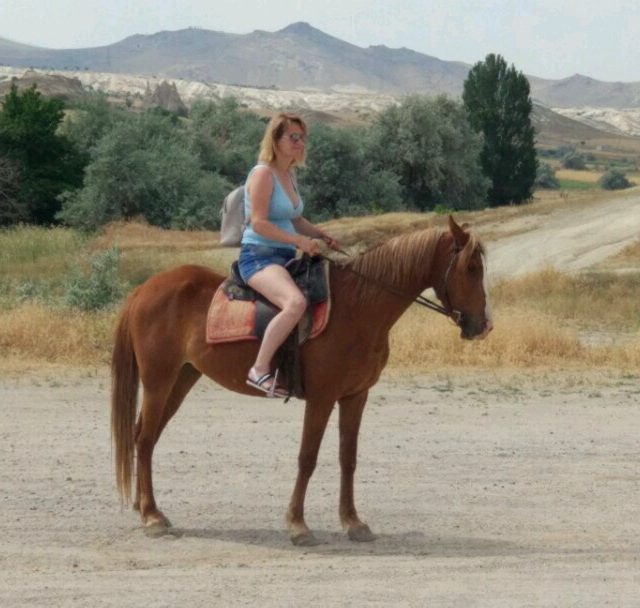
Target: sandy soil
(485,491)
(570,238)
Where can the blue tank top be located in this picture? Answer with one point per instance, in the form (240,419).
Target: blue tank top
(281,212)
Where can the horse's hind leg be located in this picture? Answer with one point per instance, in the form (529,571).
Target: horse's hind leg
(351,409)
(316,416)
(158,407)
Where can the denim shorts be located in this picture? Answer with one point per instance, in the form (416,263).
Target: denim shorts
(254,258)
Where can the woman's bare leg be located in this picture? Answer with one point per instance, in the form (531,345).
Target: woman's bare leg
(275,284)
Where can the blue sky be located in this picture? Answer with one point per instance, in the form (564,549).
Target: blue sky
(546,38)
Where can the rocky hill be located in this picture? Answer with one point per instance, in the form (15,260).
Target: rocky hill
(298,57)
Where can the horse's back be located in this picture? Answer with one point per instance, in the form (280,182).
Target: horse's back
(169,302)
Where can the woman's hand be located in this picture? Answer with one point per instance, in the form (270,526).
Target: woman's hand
(308,245)
(331,242)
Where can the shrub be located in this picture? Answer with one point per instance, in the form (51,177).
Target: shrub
(614,180)
(101,287)
(573,160)
(546,177)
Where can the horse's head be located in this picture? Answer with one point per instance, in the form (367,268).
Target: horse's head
(462,287)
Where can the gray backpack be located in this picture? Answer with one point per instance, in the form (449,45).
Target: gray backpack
(233,219)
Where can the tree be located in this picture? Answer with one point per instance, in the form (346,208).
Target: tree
(12,209)
(49,164)
(144,166)
(339,180)
(614,179)
(573,160)
(499,105)
(226,138)
(546,177)
(430,146)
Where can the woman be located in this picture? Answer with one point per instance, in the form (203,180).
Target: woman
(275,229)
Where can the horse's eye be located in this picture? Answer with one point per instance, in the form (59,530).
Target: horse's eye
(474,269)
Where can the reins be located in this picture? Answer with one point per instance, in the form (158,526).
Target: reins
(447,310)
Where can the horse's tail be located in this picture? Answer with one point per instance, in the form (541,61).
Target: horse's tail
(124,397)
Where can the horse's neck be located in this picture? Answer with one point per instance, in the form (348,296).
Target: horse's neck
(388,278)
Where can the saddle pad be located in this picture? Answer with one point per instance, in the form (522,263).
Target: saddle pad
(230,320)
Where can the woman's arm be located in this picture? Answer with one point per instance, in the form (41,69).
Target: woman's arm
(304,226)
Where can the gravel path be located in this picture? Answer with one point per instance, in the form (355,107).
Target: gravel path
(484,491)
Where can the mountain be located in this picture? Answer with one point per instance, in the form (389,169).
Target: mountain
(297,57)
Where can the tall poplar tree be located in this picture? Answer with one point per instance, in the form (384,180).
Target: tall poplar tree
(498,102)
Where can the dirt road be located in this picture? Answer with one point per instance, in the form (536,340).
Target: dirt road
(484,492)
(570,238)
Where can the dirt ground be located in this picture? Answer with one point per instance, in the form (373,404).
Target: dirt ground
(501,491)
(571,238)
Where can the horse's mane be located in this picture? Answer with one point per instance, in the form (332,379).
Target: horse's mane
(394,261)
(401,262)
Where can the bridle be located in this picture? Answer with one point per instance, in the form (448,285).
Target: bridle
(447,310)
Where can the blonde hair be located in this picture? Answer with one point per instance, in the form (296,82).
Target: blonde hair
(274,131)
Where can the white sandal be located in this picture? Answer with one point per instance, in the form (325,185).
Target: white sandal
(273,390)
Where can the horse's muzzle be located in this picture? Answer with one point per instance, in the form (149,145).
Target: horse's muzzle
(474,329)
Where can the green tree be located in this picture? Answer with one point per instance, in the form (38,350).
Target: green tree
(144,166)
(497,99)
(225,137)
(574,160)
(339,180)
(12,209)
(546,177)
(614,179)
(430,146)
(48,163)
(90,121)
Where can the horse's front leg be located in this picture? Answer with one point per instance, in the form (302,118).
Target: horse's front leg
(351,409)
(316,416)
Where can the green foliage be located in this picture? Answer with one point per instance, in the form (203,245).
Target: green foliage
(22,248)
(32,290)
(225,138)
(143,166)
(98,289)
(614,180)
(430,146)
(573,160)
(339,180)
(90,121)
(12,209)
(499,106)
(202,211)
(441,209)
(574,184)
(546,177)
(44,163)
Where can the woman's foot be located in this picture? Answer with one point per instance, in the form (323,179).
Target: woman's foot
(266,382)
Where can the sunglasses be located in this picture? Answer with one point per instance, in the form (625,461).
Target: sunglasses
(297,138)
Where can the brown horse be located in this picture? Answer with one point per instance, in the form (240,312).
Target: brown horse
(160,340)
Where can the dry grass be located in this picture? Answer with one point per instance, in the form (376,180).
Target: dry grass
(33,331)
(541,319)
(589,176)
(421,342)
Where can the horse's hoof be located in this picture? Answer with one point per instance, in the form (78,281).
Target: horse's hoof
(306,539)
(156,524)
(156,530)
(361,534)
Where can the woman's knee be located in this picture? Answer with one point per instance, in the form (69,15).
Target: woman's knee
(295,303)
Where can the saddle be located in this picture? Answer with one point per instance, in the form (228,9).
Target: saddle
(237,312)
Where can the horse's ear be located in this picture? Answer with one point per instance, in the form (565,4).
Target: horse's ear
(460,237)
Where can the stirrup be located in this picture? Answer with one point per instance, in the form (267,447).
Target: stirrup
(274,391)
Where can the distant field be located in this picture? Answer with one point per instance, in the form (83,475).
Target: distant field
(572,175)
